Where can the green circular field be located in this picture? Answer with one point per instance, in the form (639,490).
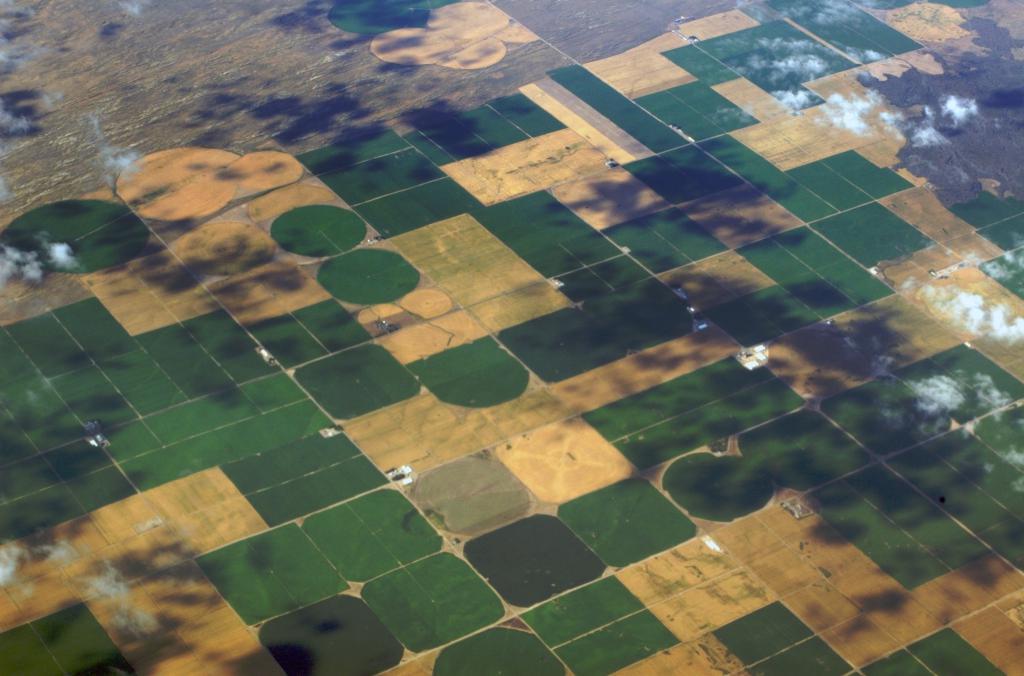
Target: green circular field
(318,230)
(500,652)
(719,489)
(100,234)
(370,17)
(477,375)
(368,276)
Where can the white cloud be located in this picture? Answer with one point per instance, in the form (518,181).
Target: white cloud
(17,264)
(115,161)
(852,113)
(937,395)
(132,7)
(959,109)
(794,100)
(1005,267)
(61,256)
(127,617)
(970,312)
(926,135)
(10,559)
(865,55)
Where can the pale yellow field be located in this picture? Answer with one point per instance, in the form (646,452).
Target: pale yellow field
(643,70)
(609,198)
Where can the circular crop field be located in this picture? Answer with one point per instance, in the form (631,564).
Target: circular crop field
(101,234)
(225,248)
(719,489)
(477,375)
(318,230)
(498,651)
(368,276)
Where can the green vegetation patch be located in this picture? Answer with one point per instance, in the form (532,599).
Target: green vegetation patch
(288,340)
(533,559)
(987,209)
(100,234)
(357,381)
(1008,270)
(527,115)
(840,193)
(582,610)
(273,392)
(339,636)
(618,645)
(769,313)
(1008,234)
(95,329)
(48,345)
(697,109)
(368,276)
(719,489)
(369,17)
(70,641)
(800,201)
(351,151)
(185,361)
(39,412)
(703,66)
(884,415)
(91,396)
(201,415)
(568,342)
(498,651)
(381,176)
(871,234)
(142,382)
(814,655)
(372,535)
(478,374)
(42,509)
(470,133)
(601,278)
(271,573)
(626,522)
(851,30)
(878,182)
(947,653)
(229,345)
(546,234)
(624,113)
(899,663)
(683,174)
(331,325)
(665,240)
(432,601)
(318,230)
(974,459)
(762,633)
(410,209)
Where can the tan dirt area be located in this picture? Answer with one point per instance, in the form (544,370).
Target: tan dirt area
(740,215)
(609,198)
(643,70)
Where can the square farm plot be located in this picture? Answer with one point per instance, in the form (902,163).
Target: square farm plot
(357,381)
(68,642)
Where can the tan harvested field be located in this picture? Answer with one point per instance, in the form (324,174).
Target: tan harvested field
(860,641)
(695,612)
(222,248)
(268,291)
(996,637)
(424,432)
(466,260)
(643,70)
(520,305)
(261,171)
(421,340)
(752,99)
(784,571)
(820,606)
(149,293)
(426,303)
(740,215)
(718,24)
(564,460)
(266,208)
(465,36)
(818,361)
(704,657)
(528,166)
(20,299)
(718,279)
(611,197)
(915,269)
(747,538)
(928,22)
(969,588)
(673,572)
(419,666)
(644,370)
(921,208)
(895,329)
(614,143)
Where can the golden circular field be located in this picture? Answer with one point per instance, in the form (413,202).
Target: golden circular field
(222,248)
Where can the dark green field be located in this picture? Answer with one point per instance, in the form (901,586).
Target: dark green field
(478,374)
(871,234)
(498,651)
(318,230)
(665,240)
(683,174)
(67,642)
(368,276)
(357,381)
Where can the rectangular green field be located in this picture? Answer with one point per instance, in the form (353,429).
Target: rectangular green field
(470,133)
(229,344)
(994,473)
(762,633)
(381,176)
(899,663)
(331,325)
(433,152)
(701,65)
(272,392)
(546,234)
(142,382)
(813,656)
(288,340)
(1007,234)
(697,109)
(829,186)
(413,208)
(582,610)
(15,363)
(42,509)
(683,174)
(987,209)
(1008,270)
(622,112)
(185,361)
(39,411)
(617,645)
(89,394)
(878,182)
(945,652)
(201,415)
(800,201)
(763,315)
(25,477)
(886,544)
(289,461)
(665,240)
(527,115)
(884,415)
(848,28)
(601,278)
(350,151)
(95,329)
(571,341)
(14,444)
(871,234)
(48,345)
(69,641)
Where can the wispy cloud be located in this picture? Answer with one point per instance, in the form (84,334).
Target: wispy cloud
(959,109)
(972,313)
(853,113)
(114,160)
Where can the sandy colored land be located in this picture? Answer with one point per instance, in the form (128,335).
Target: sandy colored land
(673,572)
(520,305)
(465,259)
(528,166)
(417,666)
(896,331)
(718,24)
(221,248)
(753,100)
(564,460)
(969,588)
(820,606)
(740,215)
(151,292)
(188,184)
(268,291)
(718,279)
(422,340)
(611,197)
(387,311)
(996,637)
(464,35)
(697,611)
(20,299)
(425,432)
(784,571)
(268,207)
(703,657)
(643,70)
(644,370)
(896,66)
(921,208)
(860,641)
(818,361)
(928,22)
(915,269)
(612,141)
(426,303)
